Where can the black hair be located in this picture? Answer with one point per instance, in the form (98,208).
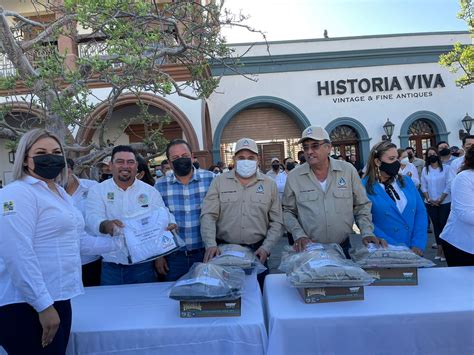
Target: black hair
(427,162)
(468,160)
(143,166)
(441,142)
(70,163)
(411,148)
(164,162)
(123,148)
(176,142)
(466,137)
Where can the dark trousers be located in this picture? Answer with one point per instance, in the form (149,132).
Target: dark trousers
(455,256)
(91,273)
(439,216)
(180,262)
(21,331)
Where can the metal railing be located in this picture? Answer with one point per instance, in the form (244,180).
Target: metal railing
(7,68)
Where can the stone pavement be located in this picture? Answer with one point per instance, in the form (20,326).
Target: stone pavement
(274,259)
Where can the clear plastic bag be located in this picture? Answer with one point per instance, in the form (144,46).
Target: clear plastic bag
(238,256)
(144,238)
(391,257)
(206,281)
(322,265)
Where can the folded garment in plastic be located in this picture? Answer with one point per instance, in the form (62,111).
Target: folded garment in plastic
(205,282)
(391,257)
(145,238)
(322,265)
(238,256)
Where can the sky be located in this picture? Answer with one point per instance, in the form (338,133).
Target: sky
(303,19)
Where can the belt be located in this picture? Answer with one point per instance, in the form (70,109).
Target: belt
(190,252)
(253,246)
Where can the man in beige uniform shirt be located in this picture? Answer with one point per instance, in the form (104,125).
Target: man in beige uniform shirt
(242,207)
(324,196)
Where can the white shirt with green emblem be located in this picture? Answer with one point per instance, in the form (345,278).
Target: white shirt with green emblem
(107,201)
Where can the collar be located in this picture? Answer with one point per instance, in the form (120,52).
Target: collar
(195,177)
(32,180)
(231,175)
(135,183)
(334,165)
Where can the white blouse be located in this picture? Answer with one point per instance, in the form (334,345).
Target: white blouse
(39,245)
(459,230)
(437,182)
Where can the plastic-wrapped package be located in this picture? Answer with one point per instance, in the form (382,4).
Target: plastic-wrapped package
(322,265)
(391,257)
(205,281)
(238,256)
(145,238)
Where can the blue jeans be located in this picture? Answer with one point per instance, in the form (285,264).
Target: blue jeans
(179,263)
(117,274)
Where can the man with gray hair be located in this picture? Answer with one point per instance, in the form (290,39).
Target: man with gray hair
(323,197)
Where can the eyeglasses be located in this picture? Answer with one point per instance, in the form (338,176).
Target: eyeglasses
(313,146)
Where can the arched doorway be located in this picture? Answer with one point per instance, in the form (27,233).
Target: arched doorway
(266,119)
(349,136)
(275,132)
(421,130)
(421,136)
(127,104)
(345,142)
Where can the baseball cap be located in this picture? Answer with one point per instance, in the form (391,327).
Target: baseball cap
(316,133)
(275,159)
(246,143)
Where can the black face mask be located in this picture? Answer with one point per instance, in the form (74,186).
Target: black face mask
(433,159)
(290,166)
(182,166)
(275,166)
(48,166)
(455,154)
(391,169)
(302,159)
(410,156)
(444,152)
(196,164)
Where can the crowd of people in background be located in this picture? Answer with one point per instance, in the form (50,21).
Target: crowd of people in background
(59,231)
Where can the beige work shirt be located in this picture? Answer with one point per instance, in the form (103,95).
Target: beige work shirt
(241,214)
(326,216)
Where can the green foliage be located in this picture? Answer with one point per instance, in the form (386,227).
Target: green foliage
(462,56)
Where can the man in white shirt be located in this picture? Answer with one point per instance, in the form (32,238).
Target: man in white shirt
(109,202)
(467,142)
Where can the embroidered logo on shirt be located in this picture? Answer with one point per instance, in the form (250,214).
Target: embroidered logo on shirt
(110,196)
(143,200)
(260,189)
(341,183)
(8,207)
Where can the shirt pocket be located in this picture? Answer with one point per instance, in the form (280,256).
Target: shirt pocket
(260,198)
(343,201)
(307,196)
(228,197)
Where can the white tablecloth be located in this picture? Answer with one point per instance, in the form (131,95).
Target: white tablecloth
(141,319)
(435,317)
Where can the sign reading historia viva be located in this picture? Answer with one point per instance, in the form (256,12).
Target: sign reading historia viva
(387,86)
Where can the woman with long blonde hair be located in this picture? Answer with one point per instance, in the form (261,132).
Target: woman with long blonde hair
(398,213)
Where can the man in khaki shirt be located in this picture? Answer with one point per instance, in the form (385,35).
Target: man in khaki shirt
(242,207)
(324,196)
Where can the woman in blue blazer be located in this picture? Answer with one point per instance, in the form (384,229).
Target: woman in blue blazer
(398,212)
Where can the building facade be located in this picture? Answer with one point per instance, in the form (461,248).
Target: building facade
(351,86)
